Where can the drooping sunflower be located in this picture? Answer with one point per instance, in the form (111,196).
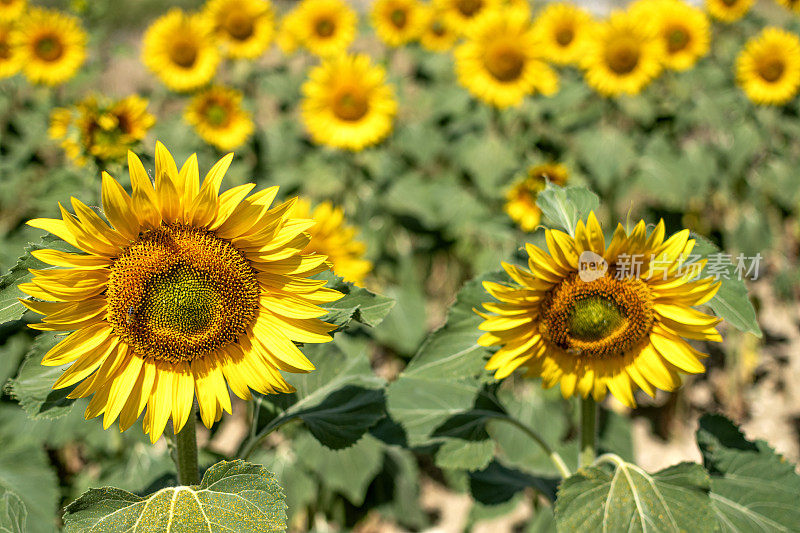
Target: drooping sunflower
(324,27)
(563,31)
(464,14)
(347,103)
(183,293)
(768,68)
(12,9)
(437,35)
(500,62)
(684,33)
(51,45)
(728,10)
(245,28)
(218,117)
(521,198)
(397,22)
(794,5)
(602,329)
(332,237)
(179,48)
(10,57)
(623,55)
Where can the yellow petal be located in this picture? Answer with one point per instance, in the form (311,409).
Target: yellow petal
(118,208)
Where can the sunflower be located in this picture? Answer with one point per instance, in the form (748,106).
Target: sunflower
(182,294)
(464,14)
(437,35)
(335,239)
(347,103)
(287,37)
(324,27)
(594,329)
(12,9)
(500,62)
(398,22)
(623,56)
(244,27)
(10,58)
(51,45)
(563,32)
(218,117)
(684,33)
(180,50)
(794,5)
(728,10)
(768,68)
(521,198)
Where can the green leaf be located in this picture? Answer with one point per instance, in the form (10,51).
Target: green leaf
(607,154)
(498,483)
(33,386)
(564,207)
(464,454)
(233,496)
(13,514)
(623,497)
(358,304)
(752,487)
(25,471)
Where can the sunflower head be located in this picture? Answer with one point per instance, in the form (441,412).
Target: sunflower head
(683,31)
(11,10)
(347,103)
(499,61)
(245,28)
(794,5)
(728,10)
(218,117)
(10,56)
(596,318)
(563,32)
(180,50)
(324,27)
(179,293)
(768,68)
(521,197)
(398,21)
(437,35)
(51,45)
(464,14)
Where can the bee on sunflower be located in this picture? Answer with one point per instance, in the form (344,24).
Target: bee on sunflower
(397,22)
(179,294)
(244,28)
(521,197)
(728,10)
(768,68)
(612,328)
(324,27)
(218,117)
(51,45)
(563,32)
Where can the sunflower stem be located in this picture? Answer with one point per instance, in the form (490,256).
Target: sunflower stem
(186,452)
(554,456)
(588,449)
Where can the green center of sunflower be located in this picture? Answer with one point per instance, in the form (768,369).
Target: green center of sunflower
(239,25)
(594,319)
(438,28)
(324,27)
(49,48)
(677,40)
(504,62)
(179,293)
(183,53)
(350,105)
(564,36)
(399,18)
(623,57)
(730,3)
(468,8)
(771,70)
(217,115)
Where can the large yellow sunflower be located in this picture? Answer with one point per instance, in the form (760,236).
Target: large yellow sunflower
(794,5)
(12,9)
(52,45)
(183,293)
(332,237)
(10,57)
(563,31)
(347,103)
(595,330)
(244,27)
(179,48)
(218,117)
(684,32)
(728,10)
(398,22)
(437,35)
(324,27)
(768,68)
(500,62)
(521,197)
(464,14)
(623,56)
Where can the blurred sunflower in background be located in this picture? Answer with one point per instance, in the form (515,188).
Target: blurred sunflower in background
(218,117)
(179,48)
(182,294)
(605,329)
(500,62)
(347,103)
(51,45)
(437,35)
(563,31)
(332,237)
(10,57)
(101,129)
(12,9)
(521,197)
(324,27)
(623,56)
(794,5)
(397,22)
(728,10)
(684,33)
(245,28)
(768,68)
(463,14)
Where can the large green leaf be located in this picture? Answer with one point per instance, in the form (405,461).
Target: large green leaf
(13,514)
(564,207)
(752,487)
(623,497)
(233,496)
(25,471)
(358,304)
(608,155)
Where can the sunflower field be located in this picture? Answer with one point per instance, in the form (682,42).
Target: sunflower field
(399,265)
